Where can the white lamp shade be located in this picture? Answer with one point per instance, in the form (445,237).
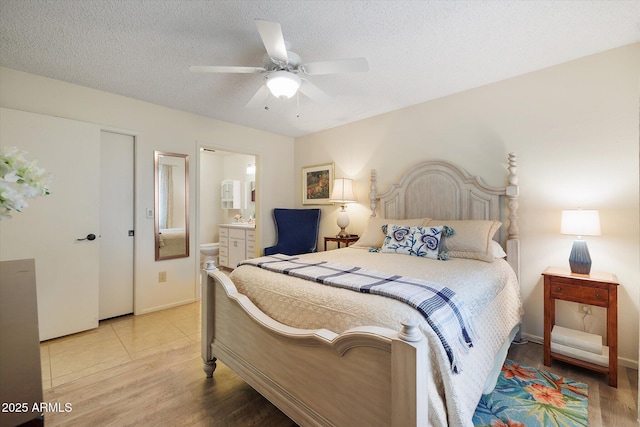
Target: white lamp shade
(283,84)
(580,222)
(342,191)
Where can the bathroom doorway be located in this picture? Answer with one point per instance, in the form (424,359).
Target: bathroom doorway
(227,184)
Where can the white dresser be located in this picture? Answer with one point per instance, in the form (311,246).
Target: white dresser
(20,369)
(237,243)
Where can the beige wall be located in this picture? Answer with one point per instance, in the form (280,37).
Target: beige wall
(574,128)
(211,171)
(165,129)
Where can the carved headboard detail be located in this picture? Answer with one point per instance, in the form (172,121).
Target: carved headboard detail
(441,190)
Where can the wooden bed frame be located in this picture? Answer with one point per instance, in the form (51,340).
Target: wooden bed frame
(320,378)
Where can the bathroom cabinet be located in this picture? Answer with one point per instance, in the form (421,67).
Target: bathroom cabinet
(237,243)
(230,192)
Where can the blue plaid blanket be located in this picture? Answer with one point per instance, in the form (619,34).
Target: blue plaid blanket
(438,304)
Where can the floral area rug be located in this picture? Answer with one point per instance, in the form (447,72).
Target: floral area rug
(527,397)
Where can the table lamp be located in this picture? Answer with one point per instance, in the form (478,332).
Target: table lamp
(342,193)
(580,222)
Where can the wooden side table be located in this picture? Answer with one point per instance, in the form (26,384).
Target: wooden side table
(599,289)
(346,240)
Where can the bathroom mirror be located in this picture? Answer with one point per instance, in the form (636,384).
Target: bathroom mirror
(171,205)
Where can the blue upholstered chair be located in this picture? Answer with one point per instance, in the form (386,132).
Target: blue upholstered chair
(297,231)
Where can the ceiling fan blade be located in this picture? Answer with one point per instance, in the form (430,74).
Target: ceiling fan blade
(313,92)
(271,34)
(338,66)
(225,69)
(259,99)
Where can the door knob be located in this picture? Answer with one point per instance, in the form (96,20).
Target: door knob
(89,237)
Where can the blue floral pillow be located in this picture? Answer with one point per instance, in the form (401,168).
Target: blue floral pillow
(416,241)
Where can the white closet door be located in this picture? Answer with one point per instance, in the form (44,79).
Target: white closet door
(116,220)
(67,269)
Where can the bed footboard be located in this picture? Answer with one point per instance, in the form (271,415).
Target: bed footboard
(364,376)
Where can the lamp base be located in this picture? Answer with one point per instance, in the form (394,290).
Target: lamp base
(580,260)
(342,234)
(343,222)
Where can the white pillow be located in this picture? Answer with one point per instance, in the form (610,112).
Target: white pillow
(496,249)
(472,238)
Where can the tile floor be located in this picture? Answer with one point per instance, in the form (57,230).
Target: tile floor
(117,341)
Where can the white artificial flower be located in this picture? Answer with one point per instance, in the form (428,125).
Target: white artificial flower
(19,179)
(11,177)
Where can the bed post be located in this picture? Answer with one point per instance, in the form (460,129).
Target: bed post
(373,196)
(513,233)
(409,377)
(208,321)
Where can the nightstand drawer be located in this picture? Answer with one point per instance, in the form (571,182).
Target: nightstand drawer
(578,293)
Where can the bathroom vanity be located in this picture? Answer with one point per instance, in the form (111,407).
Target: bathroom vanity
(237,243)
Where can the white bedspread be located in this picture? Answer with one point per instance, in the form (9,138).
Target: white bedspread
(489,290)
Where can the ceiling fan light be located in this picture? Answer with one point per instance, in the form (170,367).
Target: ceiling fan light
(283,84)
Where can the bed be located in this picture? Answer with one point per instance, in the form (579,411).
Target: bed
(328,356)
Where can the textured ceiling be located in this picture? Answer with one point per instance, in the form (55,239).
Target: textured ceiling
(417,50)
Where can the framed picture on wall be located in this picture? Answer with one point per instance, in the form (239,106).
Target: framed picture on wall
(317,182)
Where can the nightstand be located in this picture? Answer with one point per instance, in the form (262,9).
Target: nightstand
(346,240)
(599,289)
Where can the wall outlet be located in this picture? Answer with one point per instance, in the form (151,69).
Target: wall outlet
(584,309)
(162,276)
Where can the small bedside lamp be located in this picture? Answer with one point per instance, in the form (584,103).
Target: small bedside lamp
(579,222)
(343,194)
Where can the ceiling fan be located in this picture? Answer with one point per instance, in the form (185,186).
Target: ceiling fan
(283,68)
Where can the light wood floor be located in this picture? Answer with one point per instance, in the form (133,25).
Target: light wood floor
(146,371)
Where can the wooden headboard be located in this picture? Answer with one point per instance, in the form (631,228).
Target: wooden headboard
(441,190)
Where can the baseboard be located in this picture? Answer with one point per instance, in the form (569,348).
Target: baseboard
(622,361)
(164,307)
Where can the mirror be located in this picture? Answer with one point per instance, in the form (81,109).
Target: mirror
(171,205)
